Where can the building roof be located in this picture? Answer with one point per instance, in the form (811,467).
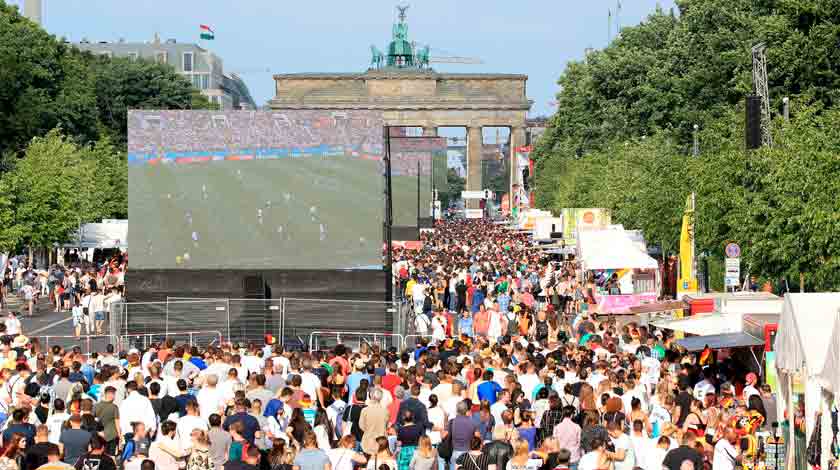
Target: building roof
(398,74)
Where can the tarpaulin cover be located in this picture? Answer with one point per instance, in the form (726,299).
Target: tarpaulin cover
(726,340)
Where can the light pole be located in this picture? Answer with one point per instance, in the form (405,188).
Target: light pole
(696,150)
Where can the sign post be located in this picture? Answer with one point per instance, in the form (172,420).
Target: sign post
(732,276)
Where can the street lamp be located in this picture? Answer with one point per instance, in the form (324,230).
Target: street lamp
(696,150)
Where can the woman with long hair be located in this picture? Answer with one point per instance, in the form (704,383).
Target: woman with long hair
(521,454)
(12,451)
(298,427)
(425,456)
(382,456)
(281,455)
(324,430)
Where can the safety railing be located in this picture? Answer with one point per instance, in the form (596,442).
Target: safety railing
(192,338)
(361,336)
(86,343)
(406,340)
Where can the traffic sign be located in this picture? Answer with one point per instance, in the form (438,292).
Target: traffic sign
(733,250)
(733,272)
(483,194)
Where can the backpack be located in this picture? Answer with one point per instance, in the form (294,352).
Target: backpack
(512,325)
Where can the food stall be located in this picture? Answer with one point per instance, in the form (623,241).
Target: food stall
(612,252)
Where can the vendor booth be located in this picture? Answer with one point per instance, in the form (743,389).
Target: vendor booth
(610,253)
(807,371)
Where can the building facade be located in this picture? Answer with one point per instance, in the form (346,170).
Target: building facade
(199,66)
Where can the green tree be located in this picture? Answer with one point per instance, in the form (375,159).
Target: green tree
(45,85)
(454,185)
(122,84)
(52,189)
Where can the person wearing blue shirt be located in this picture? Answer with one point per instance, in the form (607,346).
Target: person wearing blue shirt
(354,379)
(478,300)
(504,301)
(489,389)
(465,324)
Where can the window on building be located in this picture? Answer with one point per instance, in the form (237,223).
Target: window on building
(205,81)
(196,81)
(161,57)
(188,62)
(132,56)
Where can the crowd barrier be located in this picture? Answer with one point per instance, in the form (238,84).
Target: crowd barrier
(289,320)
(383,340)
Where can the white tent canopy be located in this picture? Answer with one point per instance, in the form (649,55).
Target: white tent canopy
(805,331)
(802,346)
(110,234)
(830,374)
(611,249)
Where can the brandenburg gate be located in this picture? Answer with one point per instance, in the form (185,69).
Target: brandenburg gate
(409,93)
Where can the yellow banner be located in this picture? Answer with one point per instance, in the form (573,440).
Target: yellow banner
(687,281)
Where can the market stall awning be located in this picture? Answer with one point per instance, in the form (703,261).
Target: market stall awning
(611,249)
(726,340)
(714,324)
(655,307)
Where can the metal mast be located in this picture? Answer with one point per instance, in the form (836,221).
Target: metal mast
(759,62)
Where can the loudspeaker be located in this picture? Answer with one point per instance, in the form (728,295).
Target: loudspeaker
(752,127)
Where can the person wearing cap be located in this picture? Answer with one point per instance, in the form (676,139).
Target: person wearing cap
(750,387)
(359,373)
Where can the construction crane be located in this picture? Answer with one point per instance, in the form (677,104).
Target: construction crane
(442,57)
(759,76)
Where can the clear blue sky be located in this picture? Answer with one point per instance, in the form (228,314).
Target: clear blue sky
(534,37)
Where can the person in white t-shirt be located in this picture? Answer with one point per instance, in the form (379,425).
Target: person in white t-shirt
(210,398)
(344,457)
(623,457)
(530,380)
(726,455)
(705,386)
(596,459)
(187,424)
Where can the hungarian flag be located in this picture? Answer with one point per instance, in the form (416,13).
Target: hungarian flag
(207,33)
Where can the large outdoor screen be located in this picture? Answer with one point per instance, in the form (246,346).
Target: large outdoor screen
(255,190)
(418,166)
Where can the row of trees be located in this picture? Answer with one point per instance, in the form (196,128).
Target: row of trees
(622,134)
(63,130)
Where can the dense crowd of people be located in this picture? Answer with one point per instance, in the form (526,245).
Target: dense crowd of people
(514,374)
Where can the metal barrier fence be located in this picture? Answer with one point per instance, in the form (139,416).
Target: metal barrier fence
(290,320)
(96,343)
(383,340)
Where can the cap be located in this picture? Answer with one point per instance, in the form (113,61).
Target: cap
(359,364)
(752,379)
(727,388)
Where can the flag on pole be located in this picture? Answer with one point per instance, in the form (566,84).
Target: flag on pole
(207,33)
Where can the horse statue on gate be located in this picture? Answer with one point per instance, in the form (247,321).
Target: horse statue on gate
(377,57)
(423,57)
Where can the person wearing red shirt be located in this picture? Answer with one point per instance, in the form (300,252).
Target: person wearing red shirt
(390,380)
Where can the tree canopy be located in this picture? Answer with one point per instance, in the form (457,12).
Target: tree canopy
(622,134)
(63,130)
